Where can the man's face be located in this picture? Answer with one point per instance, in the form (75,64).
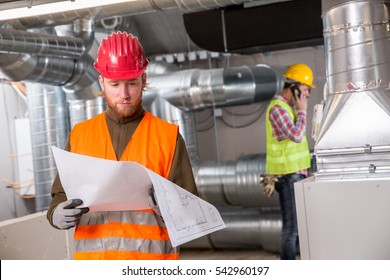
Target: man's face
(305,90)
(123,97)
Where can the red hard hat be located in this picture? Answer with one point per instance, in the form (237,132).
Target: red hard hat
(120,56)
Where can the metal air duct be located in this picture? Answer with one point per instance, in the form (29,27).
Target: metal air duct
(49,121)
(81,110)
(245,228)
(234,183)
(354,137)
(128,8)
(50,59)
(16,41)
(198,89)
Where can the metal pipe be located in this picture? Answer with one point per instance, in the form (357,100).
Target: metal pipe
(199,89)
(245,228)
(234,183)
(49,122)
(123,9)
(357,44)
(17,41)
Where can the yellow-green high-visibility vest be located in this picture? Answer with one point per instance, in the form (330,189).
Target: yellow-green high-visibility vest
(285,157)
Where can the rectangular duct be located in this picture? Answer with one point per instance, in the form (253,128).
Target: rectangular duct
(263,28)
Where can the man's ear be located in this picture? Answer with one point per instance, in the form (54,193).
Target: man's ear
(101,82)
(143,79)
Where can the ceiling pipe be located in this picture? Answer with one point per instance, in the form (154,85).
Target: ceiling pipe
(123,9)
(50,59)
(17,41)
(196,89)
(78,77)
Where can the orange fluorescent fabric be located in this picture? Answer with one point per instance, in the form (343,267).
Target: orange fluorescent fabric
(124,255)
(115,229)
(153,145)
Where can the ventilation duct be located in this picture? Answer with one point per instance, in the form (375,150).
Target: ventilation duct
(81,110)
(50,59)
(197,89)
(236,29)
(353,141)
(16,41)
(123,9)
(245,228)
(49,122)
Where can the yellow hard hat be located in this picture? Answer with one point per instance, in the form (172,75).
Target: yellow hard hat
(301,73)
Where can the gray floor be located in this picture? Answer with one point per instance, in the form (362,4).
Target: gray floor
(209,254)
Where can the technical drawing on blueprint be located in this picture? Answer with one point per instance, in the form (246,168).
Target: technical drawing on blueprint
(186,215)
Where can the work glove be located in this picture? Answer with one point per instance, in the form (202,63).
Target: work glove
(153,201)
(66,215)
(268,182)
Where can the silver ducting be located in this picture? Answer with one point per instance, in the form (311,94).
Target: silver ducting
(53,71)
(245,228)
(16,41)
(355,130)
(81,110)
(198,89)
(49,122)
(234,183)
(123,9)
(77,75)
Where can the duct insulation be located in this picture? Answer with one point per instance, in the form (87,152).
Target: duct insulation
(196,89)
(121,9)
(49,122)
(81,110)
(245,228)
(354,138)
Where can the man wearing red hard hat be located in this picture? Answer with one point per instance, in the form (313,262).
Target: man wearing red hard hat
(124,132)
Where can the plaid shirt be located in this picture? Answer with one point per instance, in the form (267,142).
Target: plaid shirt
(283,127)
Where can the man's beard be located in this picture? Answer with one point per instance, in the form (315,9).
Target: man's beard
(123,113)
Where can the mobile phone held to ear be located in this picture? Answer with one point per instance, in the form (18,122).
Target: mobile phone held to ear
(296,91)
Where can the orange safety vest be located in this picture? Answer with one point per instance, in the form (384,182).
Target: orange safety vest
(126,234)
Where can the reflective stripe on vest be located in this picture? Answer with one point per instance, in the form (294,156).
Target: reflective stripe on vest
(286,156)
(138,234)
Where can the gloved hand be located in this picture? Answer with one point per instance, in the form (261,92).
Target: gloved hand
(66,215)
(153,201)
(268,182)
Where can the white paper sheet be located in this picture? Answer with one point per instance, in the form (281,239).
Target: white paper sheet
(106,185)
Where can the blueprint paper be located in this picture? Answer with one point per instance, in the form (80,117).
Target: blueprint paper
(107,185)
(186,216)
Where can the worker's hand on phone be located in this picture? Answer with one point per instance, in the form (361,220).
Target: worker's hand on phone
(300,98)
(66,215)
(301,102)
